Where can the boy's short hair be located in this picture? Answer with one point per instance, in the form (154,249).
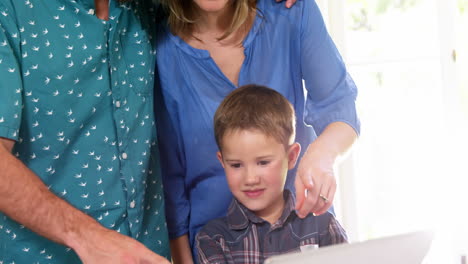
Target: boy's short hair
(256,107)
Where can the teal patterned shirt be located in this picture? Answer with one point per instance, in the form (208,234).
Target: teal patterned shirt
(76,96)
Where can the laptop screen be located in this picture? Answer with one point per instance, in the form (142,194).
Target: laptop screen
(407,248)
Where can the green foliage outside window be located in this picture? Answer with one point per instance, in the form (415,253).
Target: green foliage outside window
(463,6)
(364,11)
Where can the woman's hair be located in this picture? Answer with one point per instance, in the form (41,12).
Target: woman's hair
(183,16)
(258,108)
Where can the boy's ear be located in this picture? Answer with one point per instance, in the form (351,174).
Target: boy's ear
(293,154)
(220,158)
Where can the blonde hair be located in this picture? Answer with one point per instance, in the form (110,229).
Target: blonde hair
(256,107)
(182,15)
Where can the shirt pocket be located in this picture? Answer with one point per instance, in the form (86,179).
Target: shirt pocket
(140,59)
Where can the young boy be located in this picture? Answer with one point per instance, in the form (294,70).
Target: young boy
(255,131)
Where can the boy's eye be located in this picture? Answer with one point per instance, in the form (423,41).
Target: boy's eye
(235,165)
(263,162)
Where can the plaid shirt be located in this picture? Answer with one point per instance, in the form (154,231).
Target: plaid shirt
(243,237)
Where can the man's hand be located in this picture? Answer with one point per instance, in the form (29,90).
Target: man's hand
(104,246)
(289,3)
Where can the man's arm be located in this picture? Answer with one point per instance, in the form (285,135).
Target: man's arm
(25,198)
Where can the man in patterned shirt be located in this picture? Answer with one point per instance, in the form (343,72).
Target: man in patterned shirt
(79,161)
(255,131)
(76,112)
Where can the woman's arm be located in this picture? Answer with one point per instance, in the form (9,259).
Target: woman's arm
(330,109)
(177,201)
(180,250)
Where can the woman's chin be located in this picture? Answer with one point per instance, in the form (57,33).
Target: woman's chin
(211,6)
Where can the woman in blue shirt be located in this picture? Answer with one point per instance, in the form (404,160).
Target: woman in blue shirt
(210,48)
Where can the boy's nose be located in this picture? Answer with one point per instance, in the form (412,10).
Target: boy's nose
(252,177)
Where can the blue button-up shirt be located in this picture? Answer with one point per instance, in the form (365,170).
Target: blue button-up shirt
(76,93)
(283,48)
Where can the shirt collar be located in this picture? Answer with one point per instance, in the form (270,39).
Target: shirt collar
(239,217)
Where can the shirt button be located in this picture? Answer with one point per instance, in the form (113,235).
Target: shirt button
(124,155)
(117,104)
(132,204)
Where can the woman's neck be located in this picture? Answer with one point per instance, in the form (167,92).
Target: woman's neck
(210,29)
(214,22)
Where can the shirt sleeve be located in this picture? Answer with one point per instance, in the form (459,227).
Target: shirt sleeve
(334,234)
(331,93)
(209,250)
(11,87)
(172,163)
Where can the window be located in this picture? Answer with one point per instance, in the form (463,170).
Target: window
(406,172)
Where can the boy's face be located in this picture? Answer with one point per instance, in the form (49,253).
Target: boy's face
(256,166)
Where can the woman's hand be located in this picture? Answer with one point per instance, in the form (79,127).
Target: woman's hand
(289,3)
(315,180)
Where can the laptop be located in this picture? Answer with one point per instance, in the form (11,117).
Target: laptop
(410,248)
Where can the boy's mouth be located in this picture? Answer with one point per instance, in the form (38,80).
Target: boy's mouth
(254,193)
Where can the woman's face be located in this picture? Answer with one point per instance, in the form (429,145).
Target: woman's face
(211,5)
